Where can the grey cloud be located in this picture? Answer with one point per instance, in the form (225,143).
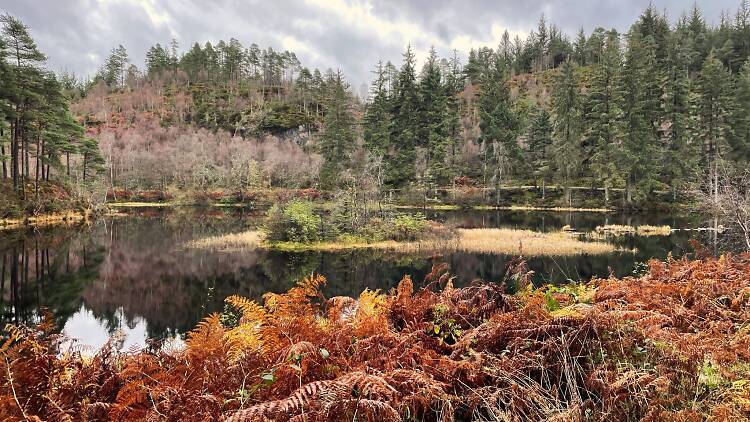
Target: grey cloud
(78,34)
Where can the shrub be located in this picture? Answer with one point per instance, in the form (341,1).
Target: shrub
(408,226)
(294,222)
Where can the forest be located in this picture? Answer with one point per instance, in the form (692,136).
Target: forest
(643,116)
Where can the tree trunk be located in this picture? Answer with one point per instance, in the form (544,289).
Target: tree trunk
(606,196)
(39,152)
(2,152)
(14,154)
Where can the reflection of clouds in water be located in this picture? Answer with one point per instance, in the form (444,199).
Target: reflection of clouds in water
(92,332)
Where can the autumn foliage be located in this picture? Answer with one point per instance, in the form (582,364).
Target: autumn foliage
(671,345)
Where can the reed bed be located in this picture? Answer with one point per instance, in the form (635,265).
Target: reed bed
(491,241)
(644,230)
(252,239)
(44,220)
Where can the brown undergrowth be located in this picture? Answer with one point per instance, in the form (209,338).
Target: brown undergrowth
(671,345)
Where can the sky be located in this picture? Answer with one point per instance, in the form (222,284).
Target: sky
(350,35)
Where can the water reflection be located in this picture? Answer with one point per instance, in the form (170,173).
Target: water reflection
(134,274)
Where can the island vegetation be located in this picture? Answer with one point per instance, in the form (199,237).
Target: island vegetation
(296,226)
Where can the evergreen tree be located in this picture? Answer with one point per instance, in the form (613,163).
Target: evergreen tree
(157,60)
(540,143)
(568,126)
(603,115)
(714,109)
(405,127)
(454,84)
(21,88)
(338,136)
(499,126)
(377,118)
(433,117)
(680,164)
(580,48)
(740,136)
(640,160)
(113,72)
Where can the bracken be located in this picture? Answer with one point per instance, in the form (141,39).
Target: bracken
(671,345)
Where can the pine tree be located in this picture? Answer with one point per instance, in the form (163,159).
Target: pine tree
(433,117)
(580,48)
(338,136)
(499,126)
(740,136)
(405,127)
(454,83)
(113,72)
(603,115)
(680,164)
(157,60)
(714,109)
(22,88)
(641,107)
(540,143)
(377,119)
(568,126)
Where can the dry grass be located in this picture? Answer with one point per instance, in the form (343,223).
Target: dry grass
(252,239)
(654,230)
(510,242)
(645,230)
(532,208)
(140,204)
(495,241)
(70,217)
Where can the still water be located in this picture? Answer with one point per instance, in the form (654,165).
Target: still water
(133,273)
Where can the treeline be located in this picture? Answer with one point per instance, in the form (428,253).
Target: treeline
(246,91)
(656,109)
(643,111)
(39,137)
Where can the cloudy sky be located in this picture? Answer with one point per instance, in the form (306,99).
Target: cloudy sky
(348,34)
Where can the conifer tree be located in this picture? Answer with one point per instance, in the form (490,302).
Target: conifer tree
(740,136)
(604,113)
(377,119)
(433,120)
(499,126)
(714,109)
(640,160)
(157,60)
(568,126)
(682,152)
(22,88)
(405,127)
(540,143)
(338,135)
(113,72)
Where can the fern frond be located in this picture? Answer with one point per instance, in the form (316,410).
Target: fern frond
(251,311)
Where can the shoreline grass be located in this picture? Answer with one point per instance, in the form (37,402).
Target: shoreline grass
(490,241)
(141,204)
(643,230)
(44,220)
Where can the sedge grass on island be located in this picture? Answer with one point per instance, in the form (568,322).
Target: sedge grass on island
(672,345)
(643,230)
(491,241)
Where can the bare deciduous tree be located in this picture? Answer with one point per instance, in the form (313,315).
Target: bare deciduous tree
(729,203)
